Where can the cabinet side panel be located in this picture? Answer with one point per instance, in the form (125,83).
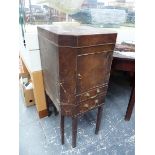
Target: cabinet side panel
(50,65)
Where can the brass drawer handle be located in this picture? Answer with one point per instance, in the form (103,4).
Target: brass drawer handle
(87,94)
(79,76)
(96,101)
(93,96)
(86,105)
(98,90)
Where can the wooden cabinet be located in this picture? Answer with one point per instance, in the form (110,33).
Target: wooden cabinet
(76,66)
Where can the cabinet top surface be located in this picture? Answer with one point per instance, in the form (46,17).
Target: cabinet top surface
(76,30)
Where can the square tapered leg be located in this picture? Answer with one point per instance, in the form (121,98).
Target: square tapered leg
(62,128)
(98,121)
(74,131)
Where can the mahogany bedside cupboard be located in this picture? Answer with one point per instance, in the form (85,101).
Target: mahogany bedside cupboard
(76,65)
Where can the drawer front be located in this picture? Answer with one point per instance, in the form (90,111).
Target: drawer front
(89,104)
(91,94)
(82,107)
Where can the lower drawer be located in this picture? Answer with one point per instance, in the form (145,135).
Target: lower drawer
(90,104)
(91,94)
(82,107)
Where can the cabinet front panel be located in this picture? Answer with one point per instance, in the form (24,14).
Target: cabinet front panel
(93,70)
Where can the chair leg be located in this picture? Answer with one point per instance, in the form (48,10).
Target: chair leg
(62,128)
(98,121)
(130,105)
(74,131)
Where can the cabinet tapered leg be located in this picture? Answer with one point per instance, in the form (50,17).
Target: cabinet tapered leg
(98,121)
(62,128)
(74,131)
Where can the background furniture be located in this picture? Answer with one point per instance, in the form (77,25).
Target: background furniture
(30,59)
(124,61)
(76,63)
(31,66)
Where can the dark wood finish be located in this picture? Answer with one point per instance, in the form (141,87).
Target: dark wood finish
(123,64)
(43,113)
(74,131)
(76,67)
(99,116)
(62,119)
(130,105)
(128,65)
